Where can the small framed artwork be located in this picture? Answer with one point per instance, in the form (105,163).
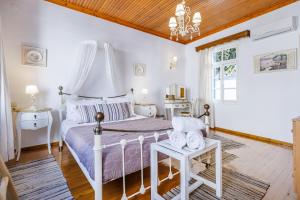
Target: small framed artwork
(276,61)
(34,56)
(139,69)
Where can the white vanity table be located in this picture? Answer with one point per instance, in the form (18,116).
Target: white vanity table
(33,120)
(177,105)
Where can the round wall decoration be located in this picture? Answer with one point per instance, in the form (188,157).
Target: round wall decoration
(34,56)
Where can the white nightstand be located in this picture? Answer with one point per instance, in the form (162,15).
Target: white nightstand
(147,110)
(33,120)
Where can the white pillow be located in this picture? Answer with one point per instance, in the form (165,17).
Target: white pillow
(123,99)
(72,111)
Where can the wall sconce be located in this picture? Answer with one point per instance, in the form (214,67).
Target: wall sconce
(173,62)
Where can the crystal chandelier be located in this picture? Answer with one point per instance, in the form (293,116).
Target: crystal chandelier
(184,26)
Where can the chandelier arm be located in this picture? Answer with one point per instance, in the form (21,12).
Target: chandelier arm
(190,29)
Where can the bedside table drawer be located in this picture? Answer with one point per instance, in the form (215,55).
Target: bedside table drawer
(34,116)
(34,124)
(145,110)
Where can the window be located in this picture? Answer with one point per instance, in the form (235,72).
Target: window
(225,74)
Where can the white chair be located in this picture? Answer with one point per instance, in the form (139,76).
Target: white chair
(7,189)
(3,187)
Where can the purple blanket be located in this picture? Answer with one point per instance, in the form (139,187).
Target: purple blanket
(81,140)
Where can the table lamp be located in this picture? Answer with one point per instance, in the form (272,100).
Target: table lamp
(32,90)
(144,92)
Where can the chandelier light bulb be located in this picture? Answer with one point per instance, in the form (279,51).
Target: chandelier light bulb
(197,18)
(172,22)
(180,10)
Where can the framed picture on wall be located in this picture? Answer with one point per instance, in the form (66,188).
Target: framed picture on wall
(139,69)
(34,56)
(276,61)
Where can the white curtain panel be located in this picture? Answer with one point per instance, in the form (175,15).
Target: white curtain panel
(83,66)
(111,71)
(6,125)
(205,84)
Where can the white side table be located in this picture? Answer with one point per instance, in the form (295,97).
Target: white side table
(147,110)
(185,156)
(33,120)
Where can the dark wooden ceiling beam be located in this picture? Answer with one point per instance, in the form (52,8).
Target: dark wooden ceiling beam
(224,40)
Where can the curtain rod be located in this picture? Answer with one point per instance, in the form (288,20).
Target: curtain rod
(224,40)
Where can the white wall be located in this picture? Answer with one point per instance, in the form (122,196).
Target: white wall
(266,102)
(60,30)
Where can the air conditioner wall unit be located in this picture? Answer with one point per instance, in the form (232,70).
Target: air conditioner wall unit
(280,26)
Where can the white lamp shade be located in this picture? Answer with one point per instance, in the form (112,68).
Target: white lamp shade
(144,91)
(174,59)
(180,10)
(31,89)
(197,18)
(172,22)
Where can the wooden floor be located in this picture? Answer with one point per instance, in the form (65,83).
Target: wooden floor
(272,164)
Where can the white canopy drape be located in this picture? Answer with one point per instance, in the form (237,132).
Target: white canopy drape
(112,71)
(205,83)
(6,125)
(89,68)
(83,66)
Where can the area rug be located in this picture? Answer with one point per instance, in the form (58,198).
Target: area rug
(40,179)
(227,144)
(235,186)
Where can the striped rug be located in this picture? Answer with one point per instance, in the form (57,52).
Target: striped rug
(40,179)
(227,144)
(235,186)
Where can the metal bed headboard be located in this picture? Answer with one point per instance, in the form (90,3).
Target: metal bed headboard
(61,93)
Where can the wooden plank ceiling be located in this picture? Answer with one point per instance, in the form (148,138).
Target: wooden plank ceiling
(152,16)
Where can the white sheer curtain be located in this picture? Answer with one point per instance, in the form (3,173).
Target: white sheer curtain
(112,71)
(6,125)
(83,66)
(205,84)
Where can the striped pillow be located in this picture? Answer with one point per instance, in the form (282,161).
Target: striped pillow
(112,111)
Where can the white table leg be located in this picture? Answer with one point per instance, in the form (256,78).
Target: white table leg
(184,179)
(219,170)
(19,136)
(166,113)
(172,112)
(19,132)
(154,172)
(49,131)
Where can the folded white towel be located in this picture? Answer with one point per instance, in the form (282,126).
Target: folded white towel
(178,139)
(186,124)
(195,140)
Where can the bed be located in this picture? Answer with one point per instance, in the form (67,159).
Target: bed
(121,147)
